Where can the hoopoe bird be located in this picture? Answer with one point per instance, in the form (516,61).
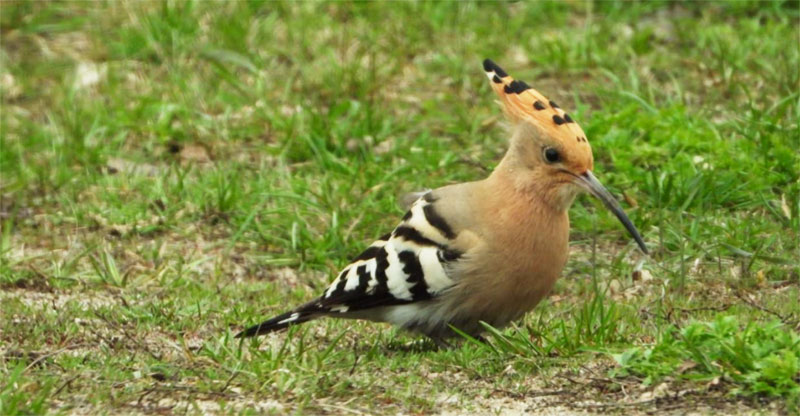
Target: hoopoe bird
(485,251)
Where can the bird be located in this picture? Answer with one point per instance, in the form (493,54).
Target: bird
(478,252)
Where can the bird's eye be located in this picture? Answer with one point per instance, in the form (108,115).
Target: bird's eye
(551,155)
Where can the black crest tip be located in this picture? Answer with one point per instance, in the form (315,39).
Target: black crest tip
(490,66)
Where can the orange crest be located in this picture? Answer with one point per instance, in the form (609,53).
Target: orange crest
(523,103)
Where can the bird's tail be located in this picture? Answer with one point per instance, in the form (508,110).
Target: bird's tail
(296,316)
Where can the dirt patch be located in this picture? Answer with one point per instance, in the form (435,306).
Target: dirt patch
(590,393)
(57,300)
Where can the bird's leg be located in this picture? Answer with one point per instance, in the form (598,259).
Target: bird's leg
(481,339)
(441,343)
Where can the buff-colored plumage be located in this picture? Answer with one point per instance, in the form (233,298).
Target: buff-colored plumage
(484,251)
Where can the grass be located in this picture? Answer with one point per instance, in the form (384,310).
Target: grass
(171,172)
(761,358)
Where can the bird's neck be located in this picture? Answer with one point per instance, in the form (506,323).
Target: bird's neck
(528,238)
(518,182)
(525,204)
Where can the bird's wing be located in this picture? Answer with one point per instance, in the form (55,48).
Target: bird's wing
(407,200)
(408,265)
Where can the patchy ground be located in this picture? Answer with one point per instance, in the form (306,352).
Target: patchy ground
(170,173)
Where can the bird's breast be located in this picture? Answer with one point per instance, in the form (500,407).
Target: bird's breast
(530,256)
(524,252)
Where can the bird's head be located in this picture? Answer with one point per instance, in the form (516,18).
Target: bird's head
(549,154)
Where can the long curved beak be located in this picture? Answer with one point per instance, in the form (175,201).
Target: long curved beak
(589,182)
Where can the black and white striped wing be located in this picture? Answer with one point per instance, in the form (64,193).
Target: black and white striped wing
(408,265)
(405,266)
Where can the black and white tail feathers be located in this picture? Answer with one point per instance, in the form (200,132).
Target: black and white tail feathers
(304,313)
